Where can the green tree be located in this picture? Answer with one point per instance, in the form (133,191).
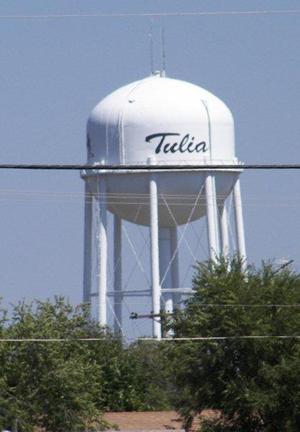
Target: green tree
(151,379)
(134,377)
(254,383)
(50,384)
(66,384)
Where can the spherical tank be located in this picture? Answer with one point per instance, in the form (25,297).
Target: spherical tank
(161,121)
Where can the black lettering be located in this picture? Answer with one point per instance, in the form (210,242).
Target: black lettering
(201,147)
(185,145)
(162,137)
(183,142)
(166,148)
(190,149)
(174,148)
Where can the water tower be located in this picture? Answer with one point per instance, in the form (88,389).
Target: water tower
(154,123)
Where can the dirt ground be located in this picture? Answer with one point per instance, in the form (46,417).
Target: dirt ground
(142,421)
(145,420)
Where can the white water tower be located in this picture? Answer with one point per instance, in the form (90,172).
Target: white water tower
(156,122)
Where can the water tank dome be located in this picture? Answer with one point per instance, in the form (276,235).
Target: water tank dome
(161,121)
(167,120)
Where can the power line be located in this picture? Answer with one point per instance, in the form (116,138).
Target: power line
(178,200)
(189,198)
(53,339)
(157,14)
(220,338)
(102,169)
(207,305)
(198,338)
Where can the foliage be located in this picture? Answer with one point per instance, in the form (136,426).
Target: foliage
(134,378)
(151,376)
(49,384)
(255,383)
(66,386)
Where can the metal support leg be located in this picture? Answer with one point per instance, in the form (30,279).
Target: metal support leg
(117,274)
(102,252)
(240,233)
(156,290)
(175,266)
(224,229)
(164,265)
(88,232)
(211,209)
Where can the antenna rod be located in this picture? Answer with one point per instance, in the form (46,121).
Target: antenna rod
(163,49)
(150,34)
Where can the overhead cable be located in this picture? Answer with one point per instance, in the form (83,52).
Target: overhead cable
(197,338)
(206,305)
(53,339)
(156,14)
(218,338)
(174,339)
(102,169)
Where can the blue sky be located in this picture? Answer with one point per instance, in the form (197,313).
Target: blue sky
(53,71)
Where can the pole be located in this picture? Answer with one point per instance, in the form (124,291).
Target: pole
(156,290)
(224,229)
(211,209)
(239,223)
(102,251)
(164,264)
(88,231)
(117,274)
(175,265)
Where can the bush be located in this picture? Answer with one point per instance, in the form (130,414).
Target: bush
(255,383)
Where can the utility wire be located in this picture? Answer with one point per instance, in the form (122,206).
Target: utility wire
(53,339)
(102,169)
(199,338)
(173,200)
(157,14)
(117,197)
(207,305)
(217,338)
